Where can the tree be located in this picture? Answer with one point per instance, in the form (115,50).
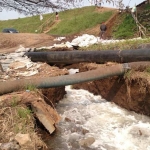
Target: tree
(40,6)
(117,3)
(35,6)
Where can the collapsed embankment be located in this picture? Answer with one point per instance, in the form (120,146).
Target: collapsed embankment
(130,91)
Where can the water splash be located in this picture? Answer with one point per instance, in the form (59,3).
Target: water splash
(91,123)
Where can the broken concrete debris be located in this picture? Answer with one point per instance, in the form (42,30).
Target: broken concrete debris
(47,115)
(15,66)
(13,145)
(22,138)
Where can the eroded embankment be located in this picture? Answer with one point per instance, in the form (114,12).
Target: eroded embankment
(130,91)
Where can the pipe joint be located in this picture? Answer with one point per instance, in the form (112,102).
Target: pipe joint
(126,67)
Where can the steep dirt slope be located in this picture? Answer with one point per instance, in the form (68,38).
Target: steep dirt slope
(96,30)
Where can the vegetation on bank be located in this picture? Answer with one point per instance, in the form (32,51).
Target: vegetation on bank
(147,7)
(24,25)
(120,44)
(126,29)
(80,19)
(76,20)
(15,119)
(71,21)
(18,118)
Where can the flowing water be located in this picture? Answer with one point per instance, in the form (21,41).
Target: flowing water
(91,123)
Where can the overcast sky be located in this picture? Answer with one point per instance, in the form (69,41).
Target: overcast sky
(5,15)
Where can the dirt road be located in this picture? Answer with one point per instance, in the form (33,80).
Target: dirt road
(11,41)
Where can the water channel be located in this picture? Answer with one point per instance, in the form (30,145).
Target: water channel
(91,123)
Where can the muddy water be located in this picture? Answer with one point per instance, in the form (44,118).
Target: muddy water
(91,123)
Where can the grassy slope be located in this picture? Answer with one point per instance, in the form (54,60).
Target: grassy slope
(126,27)
(72,21)
(77,20)
(24,25)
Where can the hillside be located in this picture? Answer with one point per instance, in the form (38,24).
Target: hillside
(70,21)
(19,109)
(75,21)
(10,42)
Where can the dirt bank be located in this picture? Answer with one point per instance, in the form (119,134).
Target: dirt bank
(11,42)
(130,91)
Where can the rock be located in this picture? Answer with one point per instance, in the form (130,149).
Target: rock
(21,49)
(87,142)
(73,71)
(44,112)
(22,139)
(84,131)
(9,146)
(17,65)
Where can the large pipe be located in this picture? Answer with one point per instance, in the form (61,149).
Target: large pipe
(70,57)
(48,82)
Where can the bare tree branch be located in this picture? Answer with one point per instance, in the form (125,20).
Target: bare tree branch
(41,6)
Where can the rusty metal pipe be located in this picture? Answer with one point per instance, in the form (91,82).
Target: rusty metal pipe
(70,57)
(48,82)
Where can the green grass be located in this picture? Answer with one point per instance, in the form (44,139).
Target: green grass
(128,74)
(77,20)
(23,112)
(147,7)
(72,21)
(31,87)
(24,25)
(147,70)
(121,45)
(126,29)
(14,101)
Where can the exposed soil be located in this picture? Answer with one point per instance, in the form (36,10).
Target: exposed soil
(11,42)
(113,89)
(131,93)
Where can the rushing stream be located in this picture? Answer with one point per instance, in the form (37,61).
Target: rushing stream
(91,123)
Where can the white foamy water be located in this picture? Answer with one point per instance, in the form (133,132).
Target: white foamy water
(85,116)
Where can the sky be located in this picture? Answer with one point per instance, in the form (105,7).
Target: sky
(6,15)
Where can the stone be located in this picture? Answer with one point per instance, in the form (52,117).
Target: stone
(17,65)
(22,139)
(9,146)
(86,142)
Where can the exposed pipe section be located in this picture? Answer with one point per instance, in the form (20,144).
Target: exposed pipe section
(70,57)
(48,82)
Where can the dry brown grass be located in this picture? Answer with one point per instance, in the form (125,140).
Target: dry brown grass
(18,118)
